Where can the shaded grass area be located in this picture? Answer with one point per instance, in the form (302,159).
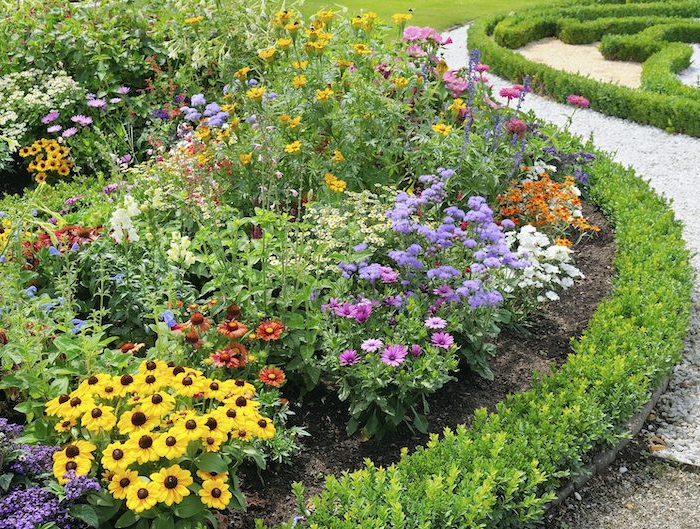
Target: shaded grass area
(441,14)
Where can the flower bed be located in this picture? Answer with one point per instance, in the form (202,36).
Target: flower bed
(653,33)
(342,216)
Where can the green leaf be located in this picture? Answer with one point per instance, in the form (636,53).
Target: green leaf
(86,513)
(5,480)
(420,421)
(189,507)
(210,462)
(163,522)
(127,519)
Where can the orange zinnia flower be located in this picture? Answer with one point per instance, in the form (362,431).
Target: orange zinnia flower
(272,376)
(269,330)
(232,329)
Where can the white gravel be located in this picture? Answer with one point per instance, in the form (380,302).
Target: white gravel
(691,75)
(671,163)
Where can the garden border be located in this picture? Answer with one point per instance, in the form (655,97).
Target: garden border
(512,465)
(651,106)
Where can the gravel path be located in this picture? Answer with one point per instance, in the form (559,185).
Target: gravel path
(691,75)
(671,162)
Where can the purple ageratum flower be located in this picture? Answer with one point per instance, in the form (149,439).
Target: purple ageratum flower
(416,350)
(98,103)
(360,247)
(123,90)
(193,116)
(371,345)
(71,131)
(348,357)
(211,109)
(81,120)
(11,430)
(394,355)
(51,116)
(443,272)
(435,323)
(54,128)
(442,339)
(198,100)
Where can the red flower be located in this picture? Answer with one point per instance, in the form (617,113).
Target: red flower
(270,330)
(272,376)
(233,355)
(232,329)
(198,322)
(130,347)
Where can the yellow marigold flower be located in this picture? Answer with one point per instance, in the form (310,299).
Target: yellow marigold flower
(338,156)
(142,496)
(400,82)
(246,158)
(256,93)
(267,54)
(563,242)
(293,148)
(457,105)
(335,184)
(284,43)
(442,129)
(121,482)
(215,494)
(361,49)
(401,18)
(284,118)
(242,73)
(323,95)
(193,20)
(300,65)
(202,132)
(325,16)
(283,15)
(299,81)
(344,64)
(173,482)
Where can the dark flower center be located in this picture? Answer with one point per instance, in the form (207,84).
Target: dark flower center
(146,442)
(71,465)
(124,482)
(231,414)
(96,413)
(242,433)
(241,401)
(214,386)
(170,482)
(142,494)
(117,454)
(170,441)
(262,423)
(72,451)
(191,337)
(171,364)
(216,493)
(191,424)
(139,418)
(75,402)
(187,381)
(63,399)
(65,424)
(109,389)
(240,383)
(126,380)
(197,318)
(210,440)
(156,399)
(151,365)
(150,379)
(177,370)
(92,380)
(211,423)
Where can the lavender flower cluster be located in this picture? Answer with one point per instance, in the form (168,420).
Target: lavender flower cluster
(33,460)
(78,486)
(28,508)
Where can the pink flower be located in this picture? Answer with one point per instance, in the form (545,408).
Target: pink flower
(492,103)
(455,84)
(394,355)
(578,101)
(442,339)
(481,68)
(517,127)
(54,128)
(371,345)
(435,323)
(512,92)
(415,51)
(348,357)
(412,33)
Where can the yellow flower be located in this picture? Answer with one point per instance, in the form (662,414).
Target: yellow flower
(99,418)
(57,406)
(242,73)
(246,158)
(284,43)
(215,494)
(191,426)
(171,444)
(293,148)
(142,447)
(299,81)
(442,68)
(116,456)
(335,184)
(64,426)
(137,421)
(256,93)
(158,404)
(173,482)
(216,476)
(325,16)
(323,95)
(300,65)
(194,20)
(77,406)
(442,129)
(121,482)
(457,105)
(361,49)
(344,64)
(262,428)
(401,18)
(189,383)
(142,496)
(293,27)
(267,54)
(338,156)
(293,123)
(40,178)
(212,443)
(81,466)
(400,82)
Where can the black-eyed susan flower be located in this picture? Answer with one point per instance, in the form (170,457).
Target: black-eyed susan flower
(57,406)
(116,456)
(77,406)
(137,421)
(261,428)
(157,405)
(142,496)
(215,494)
(256,93)
(173,482)
(189,384)
(171,444)
(238,387)
(191,426)
(123,385)
(99,418)
(143,447)
(64,426)
(121,482)
(81,467)
(148,383)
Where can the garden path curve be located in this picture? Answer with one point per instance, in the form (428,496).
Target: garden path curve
(671,162)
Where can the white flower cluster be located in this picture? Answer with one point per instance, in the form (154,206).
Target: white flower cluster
(179,249)
(121,223)
(551,264)
(28,95)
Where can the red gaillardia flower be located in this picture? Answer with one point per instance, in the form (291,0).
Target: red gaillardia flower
(198,322)
(270,330)
(272,376)
(232,329)
(233,355)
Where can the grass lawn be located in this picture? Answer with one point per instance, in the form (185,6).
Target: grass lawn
(440,14)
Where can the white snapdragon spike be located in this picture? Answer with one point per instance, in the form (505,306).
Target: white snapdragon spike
(179,249)
(551,265)
(121,223)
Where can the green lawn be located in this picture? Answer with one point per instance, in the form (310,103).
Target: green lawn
(441,14)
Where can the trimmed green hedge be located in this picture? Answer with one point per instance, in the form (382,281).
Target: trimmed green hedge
(648,31)
(502,472)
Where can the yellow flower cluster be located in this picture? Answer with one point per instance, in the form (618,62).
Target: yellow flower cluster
(193,20)
(442,129)
(5,231)
(401,18)
(365,21)
(335,184)
(149,421)
(49,155)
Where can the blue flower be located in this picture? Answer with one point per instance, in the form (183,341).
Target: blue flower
(78,325)
(117,278)
(75,247)
(54,251)
(169,318)
(198,100)
(31,291)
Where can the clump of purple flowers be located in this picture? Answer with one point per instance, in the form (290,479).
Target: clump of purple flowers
(348,357)
(78,486)
(27,508)
(33,460)
(394,355)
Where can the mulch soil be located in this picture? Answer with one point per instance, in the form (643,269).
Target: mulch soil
(329,451)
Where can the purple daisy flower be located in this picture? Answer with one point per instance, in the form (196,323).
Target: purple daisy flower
(98,103)
(394,355)
(115,100)
(348,357)
(54,128)
(51,116)
(81,120)
(435,323)
(416,350)
(69,132)
(123,90)
(442,339)
(371,345)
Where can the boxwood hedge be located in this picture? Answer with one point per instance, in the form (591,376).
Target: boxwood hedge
(504,469)
(651,32)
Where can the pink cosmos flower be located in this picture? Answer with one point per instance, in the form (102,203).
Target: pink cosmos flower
(578,101)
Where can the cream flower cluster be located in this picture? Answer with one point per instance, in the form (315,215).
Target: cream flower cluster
(121,223)
(179,250)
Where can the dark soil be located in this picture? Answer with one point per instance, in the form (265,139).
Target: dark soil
(329,451)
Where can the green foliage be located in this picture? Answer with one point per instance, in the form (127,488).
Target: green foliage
(503,471)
